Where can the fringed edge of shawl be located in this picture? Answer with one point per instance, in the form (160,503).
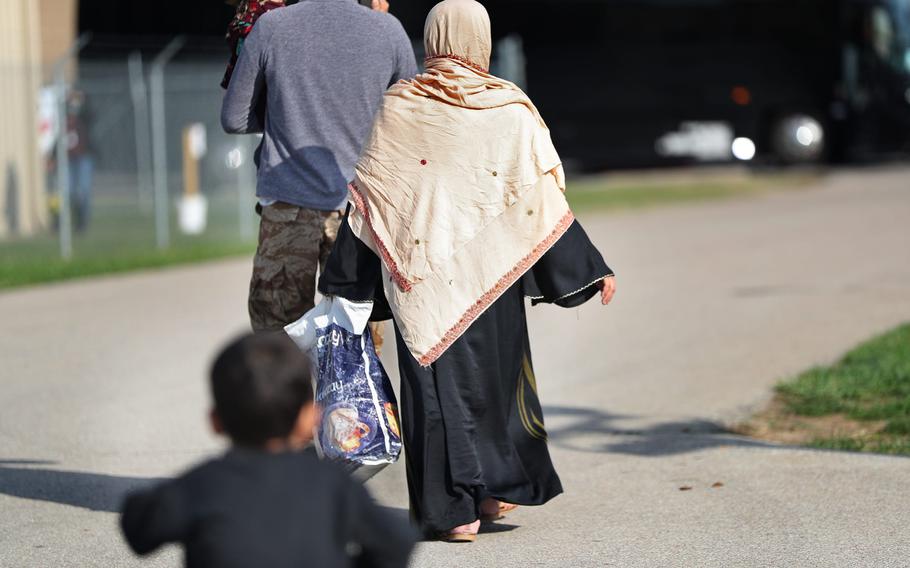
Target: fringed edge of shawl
(496,291)
(361,204)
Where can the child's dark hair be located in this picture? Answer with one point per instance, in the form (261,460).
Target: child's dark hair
(260,382)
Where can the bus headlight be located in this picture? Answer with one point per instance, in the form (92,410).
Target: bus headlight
(743,149)
(798,138)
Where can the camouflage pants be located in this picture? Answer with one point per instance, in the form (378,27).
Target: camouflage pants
(294,243)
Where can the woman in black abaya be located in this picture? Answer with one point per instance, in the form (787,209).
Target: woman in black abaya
(458,216)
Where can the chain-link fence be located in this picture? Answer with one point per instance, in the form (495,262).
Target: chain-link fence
(135,164)
(150,138)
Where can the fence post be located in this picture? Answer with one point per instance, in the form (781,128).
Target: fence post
(159,141)
(64,215)
(139,96)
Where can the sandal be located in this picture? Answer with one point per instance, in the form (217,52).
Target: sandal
(464,533)
(493,510)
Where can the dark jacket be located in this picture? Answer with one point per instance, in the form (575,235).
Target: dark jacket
(252,508)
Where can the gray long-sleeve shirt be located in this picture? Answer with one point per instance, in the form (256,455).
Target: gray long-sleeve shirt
(321,67)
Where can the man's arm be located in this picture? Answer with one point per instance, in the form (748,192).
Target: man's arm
(154,517)
(240,111)
(385,540)
(406,63)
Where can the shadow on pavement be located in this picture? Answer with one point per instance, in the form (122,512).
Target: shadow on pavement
(494,528)
(402,515)
(591,430)
(27,462)
(93,491)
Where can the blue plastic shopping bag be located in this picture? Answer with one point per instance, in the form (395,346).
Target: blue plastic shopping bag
(359,425)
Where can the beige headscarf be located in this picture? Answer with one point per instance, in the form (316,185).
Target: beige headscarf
(459,189)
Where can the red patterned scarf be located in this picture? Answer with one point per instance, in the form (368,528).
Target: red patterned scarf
(248,13)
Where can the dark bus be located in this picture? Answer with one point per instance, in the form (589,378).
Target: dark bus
(639,83)
(633,83)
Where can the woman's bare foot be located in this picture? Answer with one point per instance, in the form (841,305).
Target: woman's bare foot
(493,510)
(464,533)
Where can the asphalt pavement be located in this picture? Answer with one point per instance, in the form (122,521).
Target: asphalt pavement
(102,389)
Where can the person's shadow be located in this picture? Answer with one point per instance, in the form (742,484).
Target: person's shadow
(92,491)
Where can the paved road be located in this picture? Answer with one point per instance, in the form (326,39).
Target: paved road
(102,390)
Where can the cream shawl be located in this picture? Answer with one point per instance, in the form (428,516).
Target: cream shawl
(459,189)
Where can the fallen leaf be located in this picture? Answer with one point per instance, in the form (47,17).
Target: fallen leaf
(717,484)
(686,488)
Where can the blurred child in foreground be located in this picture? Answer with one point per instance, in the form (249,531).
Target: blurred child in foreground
(268,502)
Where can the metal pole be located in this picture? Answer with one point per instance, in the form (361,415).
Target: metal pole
(159,141)
(65,220)
(246,174)
(139,95)
(65,223)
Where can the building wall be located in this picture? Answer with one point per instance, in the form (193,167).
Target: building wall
(58,21)
(22,200)
(33,34)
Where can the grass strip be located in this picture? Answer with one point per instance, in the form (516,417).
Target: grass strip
(606,193)
(861,403)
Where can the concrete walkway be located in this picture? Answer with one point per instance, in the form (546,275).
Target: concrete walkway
(102,389)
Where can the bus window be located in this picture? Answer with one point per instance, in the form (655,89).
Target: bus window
(901,10)
(881,32)
(889,34)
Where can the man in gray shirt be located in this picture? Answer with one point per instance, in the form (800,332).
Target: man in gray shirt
(319,68)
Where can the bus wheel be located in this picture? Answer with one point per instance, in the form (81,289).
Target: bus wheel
(798,139)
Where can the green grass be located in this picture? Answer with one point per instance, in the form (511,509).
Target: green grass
(871,383)
(878,446)
(14,275)
(121,238)
(602,193)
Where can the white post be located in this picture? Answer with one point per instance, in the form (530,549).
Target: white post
(159,142)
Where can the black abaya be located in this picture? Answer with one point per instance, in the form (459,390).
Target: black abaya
(472,422)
